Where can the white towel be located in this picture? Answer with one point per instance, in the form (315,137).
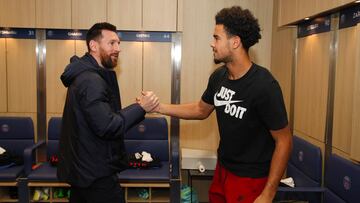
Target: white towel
(146,157)
(2,150)
(288,181)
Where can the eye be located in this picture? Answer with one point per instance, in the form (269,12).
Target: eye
(112,43)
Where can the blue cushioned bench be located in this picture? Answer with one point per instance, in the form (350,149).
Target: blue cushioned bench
(305,167)
(151,135)
(342,180)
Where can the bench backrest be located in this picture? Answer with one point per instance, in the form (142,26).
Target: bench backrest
(305,164)
(342,180)
(150,135)
(54,129)
(16,133)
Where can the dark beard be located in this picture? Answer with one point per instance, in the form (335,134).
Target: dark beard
(107,62)
(217,61)
(223,60)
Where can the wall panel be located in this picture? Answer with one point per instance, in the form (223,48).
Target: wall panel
(53,14)
(85,13)
(305,8)
(21,70)
(180,15)
(197,66)
(311,85)
(287,11)
(344,86)
(283,46)
(324,5)
(159,15)
(296,10)
(17,13)
(157,69)
(355,138)
(263,10)
(125,14)
(58,53)
(80,47)
(3,79)
(129,72)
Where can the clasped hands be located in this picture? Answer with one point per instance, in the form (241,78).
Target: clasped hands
(148,101)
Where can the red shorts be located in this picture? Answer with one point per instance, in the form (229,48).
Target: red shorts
(229,188)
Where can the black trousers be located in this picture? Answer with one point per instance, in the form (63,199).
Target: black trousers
(103,190)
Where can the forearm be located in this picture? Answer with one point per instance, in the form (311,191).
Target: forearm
(184,111)
(278,164)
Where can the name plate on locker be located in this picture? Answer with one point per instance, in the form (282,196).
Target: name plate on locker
(349,17)
(318,25)
(145,36)
(63,34)
(19,33)
(66,34)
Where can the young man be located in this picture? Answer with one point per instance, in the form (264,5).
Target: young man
(255,140)
(91,142)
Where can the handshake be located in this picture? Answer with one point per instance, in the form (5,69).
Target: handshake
(148,101)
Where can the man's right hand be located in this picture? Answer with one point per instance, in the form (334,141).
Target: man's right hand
(148,100)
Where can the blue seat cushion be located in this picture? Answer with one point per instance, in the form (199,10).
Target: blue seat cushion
(11,173)
(300,178)
(160,174)
(330,197)
(45,172)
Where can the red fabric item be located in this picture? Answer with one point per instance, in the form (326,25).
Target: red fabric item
(54,160)
(229,188)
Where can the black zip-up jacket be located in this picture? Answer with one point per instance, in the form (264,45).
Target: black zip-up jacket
(93,124)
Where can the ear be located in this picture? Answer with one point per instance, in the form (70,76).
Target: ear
(236,42)
(93,45)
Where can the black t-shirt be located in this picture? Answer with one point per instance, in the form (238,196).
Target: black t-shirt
(246,109)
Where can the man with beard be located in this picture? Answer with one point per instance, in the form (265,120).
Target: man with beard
(255,140)
(91,142)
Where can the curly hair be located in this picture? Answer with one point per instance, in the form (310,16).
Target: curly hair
(240,22)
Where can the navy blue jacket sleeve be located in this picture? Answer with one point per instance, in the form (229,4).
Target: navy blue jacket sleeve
(94,101)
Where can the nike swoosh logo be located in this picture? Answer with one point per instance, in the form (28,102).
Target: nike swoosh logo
(224,102)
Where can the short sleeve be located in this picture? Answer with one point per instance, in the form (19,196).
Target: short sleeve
(271,107)
(216,77)
(208,94)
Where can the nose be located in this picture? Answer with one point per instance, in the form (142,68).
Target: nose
(117,47)
(212,44)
